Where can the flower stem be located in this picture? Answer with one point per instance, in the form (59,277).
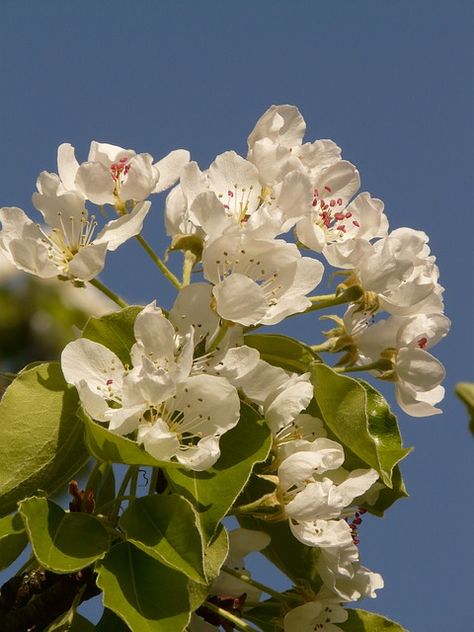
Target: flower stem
(158,262)
(252,582)
(105,290)
(324,346)
(239,624)
(350,294)
(380,365)
(153,480)
(188,264)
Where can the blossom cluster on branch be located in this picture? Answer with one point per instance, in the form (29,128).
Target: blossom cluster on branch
(177,390)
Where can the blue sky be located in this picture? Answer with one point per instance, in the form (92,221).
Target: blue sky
(389,81)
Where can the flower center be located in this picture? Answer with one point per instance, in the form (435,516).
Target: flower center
(72,234)
(329,215)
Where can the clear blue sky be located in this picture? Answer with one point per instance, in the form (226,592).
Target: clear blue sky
(389,80)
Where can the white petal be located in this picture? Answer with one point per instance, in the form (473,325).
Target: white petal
(155,332)
(93,403)
(88,262)
(237,181)
(209,213)
(322,533)
(86,361)
(240,299)
(106,154)
(261,381)
(356,484)
(419,368)
(283,124)
(283,405)
(159,441)
(170,168)
(295,196)
(140,179)
(31,256)
(125,420)
(418,404)
(96,183)
(209,405)
(117,231)
(192,308)
(245,541)
(67,165)
(317,501)
(200,457)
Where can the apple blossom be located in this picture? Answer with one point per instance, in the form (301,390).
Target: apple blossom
(113,175)
(177,415)
(66,247)
(259,281)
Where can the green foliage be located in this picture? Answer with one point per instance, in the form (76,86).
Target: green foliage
(359,417)
(363,621)
(114,331)
(214,491)
(282,351)
(214,557)
(41,444)
(268,616)
(71,622)
(465,392)
(165,527)
(62,542)
(13,539)
(112,448)
(147,595)
(109,622)
(102,483)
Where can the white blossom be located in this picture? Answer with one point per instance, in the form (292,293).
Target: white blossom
(259,281)
(67,245)
(114,175)
(176,414)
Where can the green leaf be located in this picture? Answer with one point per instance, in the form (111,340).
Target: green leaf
(113,448)
(214,557)
(71,622)
(63,542)
(109,622)
(358,416)
(388,496)
(282,351)
(13,539)
(114,331)
(41,444)
(102,483)
(165,528)
(465,392)
(147,595)
(363,621)
(214,491)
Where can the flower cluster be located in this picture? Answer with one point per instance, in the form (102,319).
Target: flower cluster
(243,224)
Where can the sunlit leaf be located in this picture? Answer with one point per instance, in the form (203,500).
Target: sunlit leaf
(13,539)
(165,528)
(62,542)
(147,595)
(41,444)
(358,416)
